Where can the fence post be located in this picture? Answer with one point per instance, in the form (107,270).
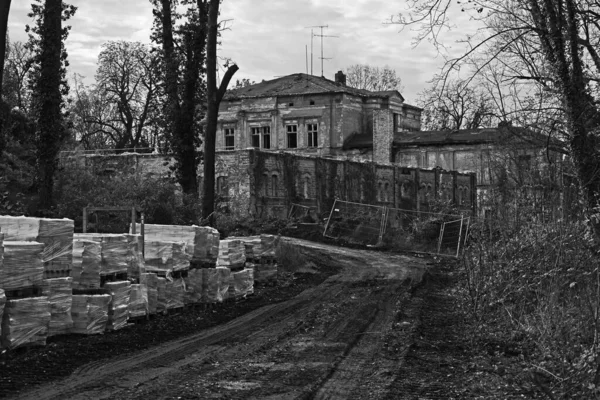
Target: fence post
(329,219)
(459,235)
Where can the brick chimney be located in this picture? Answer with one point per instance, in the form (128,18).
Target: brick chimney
(340,78)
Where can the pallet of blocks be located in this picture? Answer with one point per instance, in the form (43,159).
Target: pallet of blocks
(165,257)
(118,308)
(90,313)
(25,322)
(174,293)
(2,304)
(87,260)
(60,296)
(241,283)
(151,281)
(232,254)
(135,257)
(193,286)
(114,251)
(161,295)
(202,242)
(138,301)
(252,245)
(215,284)
(55,234)
(22,265)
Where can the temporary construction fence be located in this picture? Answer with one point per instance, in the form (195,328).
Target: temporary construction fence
(408,230)
(299,211)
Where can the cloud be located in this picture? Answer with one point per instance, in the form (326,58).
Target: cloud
(267,39)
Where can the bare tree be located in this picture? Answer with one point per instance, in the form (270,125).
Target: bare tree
(4,11)
(214,96)
(455,106)
(19,63)
(368,77)
(550,43)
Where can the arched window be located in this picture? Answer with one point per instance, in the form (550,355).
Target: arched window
(265,188)
(379,192)
(387,192)
(306,188)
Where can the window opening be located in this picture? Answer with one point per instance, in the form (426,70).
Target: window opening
(292,136)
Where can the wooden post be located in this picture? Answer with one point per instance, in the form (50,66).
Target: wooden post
(133,220)
(85,217)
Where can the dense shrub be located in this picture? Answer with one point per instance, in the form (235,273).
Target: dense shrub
(540,284)
(161,200)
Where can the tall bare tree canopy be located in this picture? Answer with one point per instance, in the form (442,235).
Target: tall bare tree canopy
(552,44)
(368,77)
(4,11)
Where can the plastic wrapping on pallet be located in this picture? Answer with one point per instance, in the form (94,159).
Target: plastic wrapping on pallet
(90,313)
(166,256)
(232,254)
(252,244)
(55,234)
(60,297)
(151,282)
(193,286)
(114,251)
(138,301)
(175,293)
(264,273)
(215,284)
(161,298)
(135,258)
(202,243)
(87,259)
(118,308)
(25,322)
(268,244)
(22,265)
(2,304)
(241,283)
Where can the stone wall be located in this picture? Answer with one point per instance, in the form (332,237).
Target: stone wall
(253,182)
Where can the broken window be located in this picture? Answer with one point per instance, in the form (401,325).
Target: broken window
(255,137)
(292,136)
(229,139)
(266,134)
(312,130)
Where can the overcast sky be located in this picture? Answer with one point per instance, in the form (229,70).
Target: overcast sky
(266,39)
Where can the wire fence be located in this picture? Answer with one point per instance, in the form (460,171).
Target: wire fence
(398,229)
(356,223)
(299,212)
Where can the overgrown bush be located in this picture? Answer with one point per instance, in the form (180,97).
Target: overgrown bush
(539,284)
(161,200)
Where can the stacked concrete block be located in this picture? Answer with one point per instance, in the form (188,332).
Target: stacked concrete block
(150,280)
(166,257)
(60,296)
(232,254)
(138,301)
(22,265)
(241,283)
(175,293)
(135,258)
(25,322)
(193,286)
(118,308)
(161,295)
(87,264)
(215,284)
(90,313)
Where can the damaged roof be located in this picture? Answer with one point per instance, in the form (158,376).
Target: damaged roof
(462,136)
(299,84)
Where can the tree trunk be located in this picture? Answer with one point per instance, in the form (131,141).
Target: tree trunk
(214,96)
(49,120)
(4,10)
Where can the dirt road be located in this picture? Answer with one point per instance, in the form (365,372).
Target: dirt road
(343,339)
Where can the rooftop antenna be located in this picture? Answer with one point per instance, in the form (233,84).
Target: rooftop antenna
(312,35)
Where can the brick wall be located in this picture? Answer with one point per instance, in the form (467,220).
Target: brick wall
(383,128)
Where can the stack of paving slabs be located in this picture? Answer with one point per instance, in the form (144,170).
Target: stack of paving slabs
(87,260)
(232,254)
(135,262)
(60,297)
(118,309)
(114,251)
(193,286)
(202,243)
(175,293)
(138,301)
(252,244)
(161,295)
(90,313)
(151,282)
(241,283)
(2,304)
(268,244)
(215,284)
(166,257)
(22,266)
(55,234)
(25,322)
